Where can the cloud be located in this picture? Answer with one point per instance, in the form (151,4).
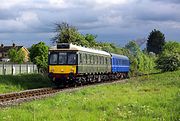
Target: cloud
(106,18)
(167,1)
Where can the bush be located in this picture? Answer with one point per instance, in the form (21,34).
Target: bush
(168,63)
(169,60)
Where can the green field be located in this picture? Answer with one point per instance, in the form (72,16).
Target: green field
(9,83)
(147,98)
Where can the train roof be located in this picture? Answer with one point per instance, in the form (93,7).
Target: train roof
(80,48)
(119,56)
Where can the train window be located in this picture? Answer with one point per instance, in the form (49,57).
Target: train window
(71,58)
(95,59)
(80,58)
(104,60)
(113,61)
(120,62)
(99,60)
(88,59)
(85,59)
(108,61)
(53,58)
(94,62)
(62,58)
(124,62)
(91,59)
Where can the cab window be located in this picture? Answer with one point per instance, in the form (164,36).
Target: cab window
(62,58)
(53,58)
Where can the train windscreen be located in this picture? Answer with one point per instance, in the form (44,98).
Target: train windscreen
(62,58)
(53,58)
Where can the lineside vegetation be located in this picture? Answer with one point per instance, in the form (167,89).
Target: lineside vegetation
(9,83)
(147,98)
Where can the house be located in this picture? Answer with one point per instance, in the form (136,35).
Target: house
(4,52)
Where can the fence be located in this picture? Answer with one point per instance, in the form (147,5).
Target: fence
(14,69)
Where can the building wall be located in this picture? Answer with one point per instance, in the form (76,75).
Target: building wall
(26,52)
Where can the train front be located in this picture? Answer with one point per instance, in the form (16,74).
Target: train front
(62,64)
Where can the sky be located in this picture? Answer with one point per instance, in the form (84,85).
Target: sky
(27,22)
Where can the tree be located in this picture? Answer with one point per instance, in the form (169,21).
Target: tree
(169,60)
(39,55)
(140,61)
(171,47)
(69,34)
(133,48)
(16,56)
(91,40)
(155,42)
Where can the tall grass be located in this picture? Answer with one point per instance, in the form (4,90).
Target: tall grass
(146,98)
(9,83)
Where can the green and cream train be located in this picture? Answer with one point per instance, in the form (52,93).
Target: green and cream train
(70,64)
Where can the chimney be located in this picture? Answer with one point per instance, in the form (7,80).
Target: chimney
(2,45)
(14,45)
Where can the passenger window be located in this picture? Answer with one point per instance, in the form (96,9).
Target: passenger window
(80,58)
(91,59)
(94,59)
(88,59)
(99,61)
(71,58)
(102,60)
(85,58)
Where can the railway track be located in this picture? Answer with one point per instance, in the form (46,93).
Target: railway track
(16,98)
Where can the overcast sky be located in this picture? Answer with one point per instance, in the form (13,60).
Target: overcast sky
(27,22)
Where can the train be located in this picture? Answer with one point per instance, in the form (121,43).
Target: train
(70,64)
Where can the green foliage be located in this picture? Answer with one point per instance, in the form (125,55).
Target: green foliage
(168,63)
(171,47)
(133,48)
(39,55)
(140,61)
(169,60)
(155,42)
(16,56)
(69,34)
(147,98)
(12,83)
(91,39)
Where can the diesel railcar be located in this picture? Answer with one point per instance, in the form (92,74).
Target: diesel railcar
(70,64)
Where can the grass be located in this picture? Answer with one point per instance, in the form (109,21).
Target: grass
(147,98)
(9,83)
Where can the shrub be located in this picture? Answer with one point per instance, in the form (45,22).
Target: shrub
(168,63)
(169,60)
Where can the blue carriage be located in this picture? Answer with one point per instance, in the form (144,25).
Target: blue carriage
(120,63)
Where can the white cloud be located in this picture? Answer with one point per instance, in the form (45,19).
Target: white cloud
(29,18)
(7,4)
(101,16)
